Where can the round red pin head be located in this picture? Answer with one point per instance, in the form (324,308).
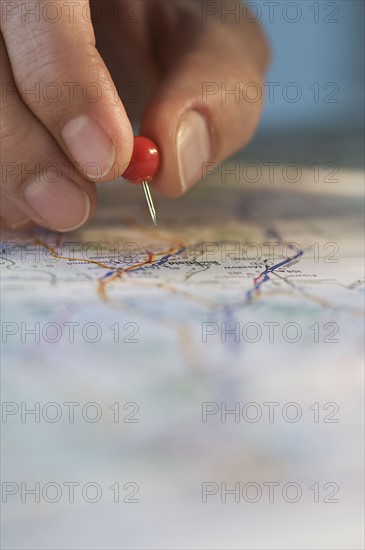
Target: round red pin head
(145,161)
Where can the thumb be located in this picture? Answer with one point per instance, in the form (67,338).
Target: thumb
(209,103)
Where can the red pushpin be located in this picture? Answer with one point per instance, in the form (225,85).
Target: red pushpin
(144,165)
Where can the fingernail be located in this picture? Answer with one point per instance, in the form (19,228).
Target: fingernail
(61,204)
(89,145)
(193,148)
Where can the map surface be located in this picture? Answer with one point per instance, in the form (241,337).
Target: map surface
(220,351)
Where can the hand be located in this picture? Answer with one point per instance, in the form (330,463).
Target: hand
(64,125)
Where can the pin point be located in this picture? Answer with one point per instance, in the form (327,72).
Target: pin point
(143,167)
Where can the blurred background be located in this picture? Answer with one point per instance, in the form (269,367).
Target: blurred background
(315,87)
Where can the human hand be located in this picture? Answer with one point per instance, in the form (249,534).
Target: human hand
(63,124)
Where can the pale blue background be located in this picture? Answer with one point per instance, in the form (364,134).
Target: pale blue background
(307,52)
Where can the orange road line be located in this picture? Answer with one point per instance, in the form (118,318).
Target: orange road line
(104,265)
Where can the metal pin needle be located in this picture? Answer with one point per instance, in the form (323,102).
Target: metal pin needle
(149,200)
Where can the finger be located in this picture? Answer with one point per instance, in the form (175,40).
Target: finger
(63,80)
(11,217)
(36,177)
(200,113)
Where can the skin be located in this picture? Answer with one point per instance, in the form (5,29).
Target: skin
(159,53)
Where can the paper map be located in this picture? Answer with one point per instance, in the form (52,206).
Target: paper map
(246,299)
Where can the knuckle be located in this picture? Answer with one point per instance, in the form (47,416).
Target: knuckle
(44,67)
(49,69)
